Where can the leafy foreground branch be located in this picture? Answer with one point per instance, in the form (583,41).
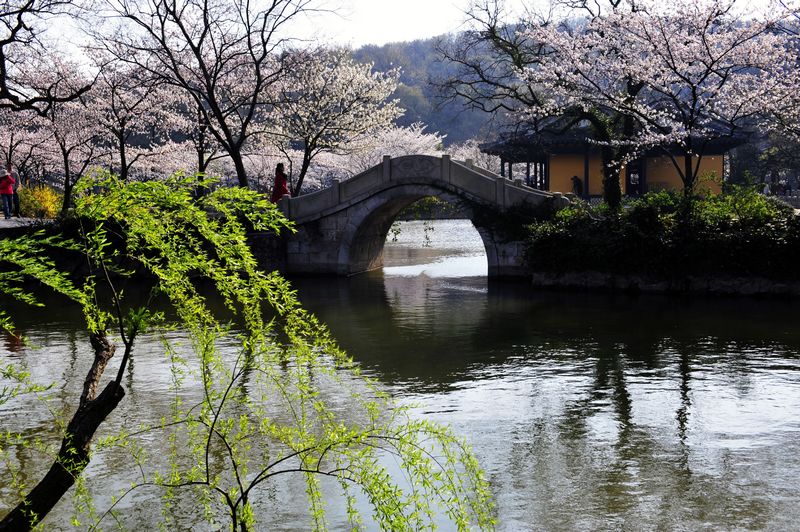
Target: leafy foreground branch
(278,396)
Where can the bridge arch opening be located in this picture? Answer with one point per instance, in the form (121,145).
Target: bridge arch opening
(435,240)
(362,248)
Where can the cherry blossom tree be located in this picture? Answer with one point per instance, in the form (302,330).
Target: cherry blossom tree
(642,75)
(189,120)
(224,54)
(70,135)
(329,103)
(134,111)
(22,138)
(74,145)
(488,57)
(395,142)
(470,150)
(497,62)
(784,111)
(166,160)
(684,77)
(23,49)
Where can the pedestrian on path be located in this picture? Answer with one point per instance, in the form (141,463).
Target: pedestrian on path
(281,186)
(15,187)
(7,191)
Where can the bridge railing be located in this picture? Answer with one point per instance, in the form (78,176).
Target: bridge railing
(461,177)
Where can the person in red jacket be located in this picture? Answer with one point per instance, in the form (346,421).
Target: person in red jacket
(281,186)
(7,191)
(17,181)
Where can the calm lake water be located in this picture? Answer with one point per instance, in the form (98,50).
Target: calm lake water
(587,411)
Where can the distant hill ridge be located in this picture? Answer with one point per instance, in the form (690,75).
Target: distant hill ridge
(420,63)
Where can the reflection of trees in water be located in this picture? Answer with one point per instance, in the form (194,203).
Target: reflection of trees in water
(13,342)
(38,417)
(437,331)
(639,475)
(430,334)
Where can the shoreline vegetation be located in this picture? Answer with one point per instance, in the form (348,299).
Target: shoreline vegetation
(739,242)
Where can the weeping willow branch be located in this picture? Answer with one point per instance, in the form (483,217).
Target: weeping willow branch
(269,412)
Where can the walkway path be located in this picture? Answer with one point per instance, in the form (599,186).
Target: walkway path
(12,223)
(15,222)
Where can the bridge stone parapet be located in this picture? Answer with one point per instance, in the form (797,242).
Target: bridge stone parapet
(342,229)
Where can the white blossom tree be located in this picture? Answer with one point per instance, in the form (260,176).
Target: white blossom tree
(74,144)
(395,142)
(189,120)
(643,75)
(470,150)
(72,135)
(224,54)
(22,138)
(784,109)
(134,111)
(500,68)
(23,49)
(330,103)
(688,76)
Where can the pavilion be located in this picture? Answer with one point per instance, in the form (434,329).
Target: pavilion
(552,158)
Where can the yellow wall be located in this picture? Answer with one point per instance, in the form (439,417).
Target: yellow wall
(662,174)
(595,175)
(563,167)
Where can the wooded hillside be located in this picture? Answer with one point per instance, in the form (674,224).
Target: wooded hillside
(421,65)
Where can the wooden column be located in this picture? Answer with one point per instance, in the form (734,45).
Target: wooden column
(546,180)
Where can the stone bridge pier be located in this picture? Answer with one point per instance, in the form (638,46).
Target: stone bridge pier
(341,230)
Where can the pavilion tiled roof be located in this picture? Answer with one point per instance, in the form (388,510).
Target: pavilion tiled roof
(531,146)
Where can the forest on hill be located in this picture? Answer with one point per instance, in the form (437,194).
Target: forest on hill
(420,67)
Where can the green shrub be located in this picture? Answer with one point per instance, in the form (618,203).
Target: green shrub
(665,234)
(39,201)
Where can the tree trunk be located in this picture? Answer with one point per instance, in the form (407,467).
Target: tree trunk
(238,163)
(73,457)
(688,173)
(611,167)
(67,184)
(202,162)
(303,171)
(123,159)
(67,196)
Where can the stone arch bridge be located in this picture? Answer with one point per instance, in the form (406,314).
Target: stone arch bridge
(341,230)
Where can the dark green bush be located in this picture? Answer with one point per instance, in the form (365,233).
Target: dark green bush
(668,235)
